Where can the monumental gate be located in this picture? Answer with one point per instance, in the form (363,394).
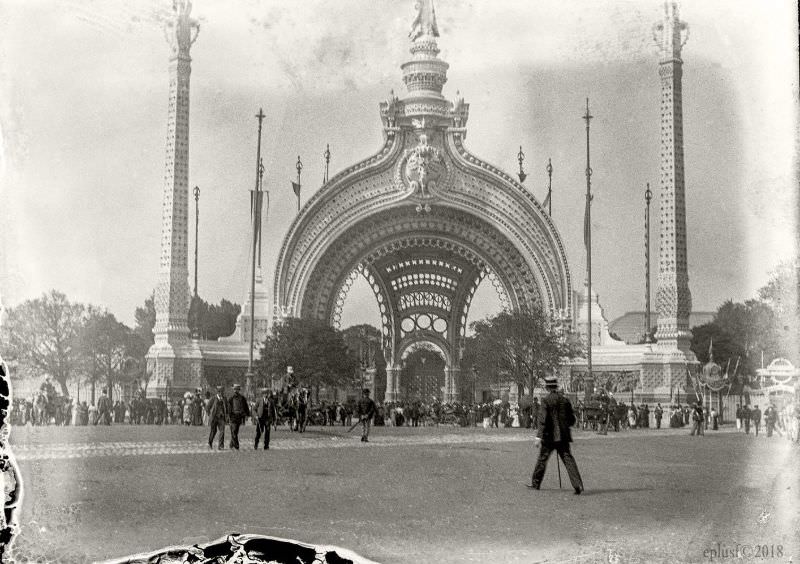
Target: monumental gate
(424,221)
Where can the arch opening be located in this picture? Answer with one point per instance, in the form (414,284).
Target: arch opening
(422,375)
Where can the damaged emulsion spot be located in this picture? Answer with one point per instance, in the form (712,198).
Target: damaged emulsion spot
(248,549)
(10,483)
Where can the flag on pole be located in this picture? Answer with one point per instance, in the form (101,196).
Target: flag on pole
(296,188)
(256,204)
(256,201)
(546,200)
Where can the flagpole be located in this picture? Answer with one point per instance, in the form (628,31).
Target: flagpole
(520,158)
(587,233)
(299,167)
(256,236)
(549,187)
(648,196)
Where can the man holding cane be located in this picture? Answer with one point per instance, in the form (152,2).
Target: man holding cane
(555,419)
(366,410)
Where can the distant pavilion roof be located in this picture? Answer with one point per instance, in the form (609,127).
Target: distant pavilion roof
(630,327)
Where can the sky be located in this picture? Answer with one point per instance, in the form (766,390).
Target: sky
(83,108)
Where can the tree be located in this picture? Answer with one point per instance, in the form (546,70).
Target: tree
(210,322)
(41,335)
(365,342)
(146,319)
(105,345)
(316,352)
(740,333)
(523,346)
(782,295)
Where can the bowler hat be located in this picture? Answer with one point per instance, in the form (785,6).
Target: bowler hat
(237,387)
(220,388)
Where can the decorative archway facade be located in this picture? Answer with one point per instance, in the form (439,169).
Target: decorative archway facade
(424,221)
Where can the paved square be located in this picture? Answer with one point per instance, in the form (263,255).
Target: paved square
(410,495)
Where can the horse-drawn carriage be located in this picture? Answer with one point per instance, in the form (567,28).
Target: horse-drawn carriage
(148,411)
(49,409)
(598,412)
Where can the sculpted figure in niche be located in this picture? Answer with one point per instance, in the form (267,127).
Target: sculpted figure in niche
(424,166)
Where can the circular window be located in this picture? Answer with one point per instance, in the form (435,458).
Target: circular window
(440,325)
(423,321)
(407,325)
(383,308)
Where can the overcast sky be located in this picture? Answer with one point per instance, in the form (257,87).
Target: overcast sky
(83,106)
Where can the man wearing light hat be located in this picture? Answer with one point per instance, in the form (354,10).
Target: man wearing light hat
(555,419)
(218,415)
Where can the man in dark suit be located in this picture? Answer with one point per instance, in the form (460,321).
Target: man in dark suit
(218,415)
(697,420)
(555,419)
(266,414)
(755,416)
(746,418)
(366,410)
(239,411)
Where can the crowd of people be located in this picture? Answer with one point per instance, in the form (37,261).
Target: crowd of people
(293,408)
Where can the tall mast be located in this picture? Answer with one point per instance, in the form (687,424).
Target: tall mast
(256,200)
(299,167)
(196,232)
(648,195)
(587,235)
(549,198)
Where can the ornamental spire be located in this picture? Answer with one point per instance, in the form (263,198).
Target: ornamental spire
(670,34)
(182,32)
(425,22)
(425,74)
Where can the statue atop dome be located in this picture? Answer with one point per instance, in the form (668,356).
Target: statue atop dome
(425,22)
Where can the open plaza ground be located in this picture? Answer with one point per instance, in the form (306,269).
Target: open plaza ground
(410,495)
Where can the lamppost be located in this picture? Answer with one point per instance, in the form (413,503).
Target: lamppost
(520,158)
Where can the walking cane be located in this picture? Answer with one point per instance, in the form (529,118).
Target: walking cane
(558,465)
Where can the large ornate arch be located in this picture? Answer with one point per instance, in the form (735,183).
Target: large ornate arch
(424,221)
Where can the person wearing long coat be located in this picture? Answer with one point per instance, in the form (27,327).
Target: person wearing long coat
(218,415)
(555,419)
(266,413)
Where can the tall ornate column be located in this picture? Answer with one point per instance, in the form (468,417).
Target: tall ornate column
(451,375)
(174,361)
(673,299)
